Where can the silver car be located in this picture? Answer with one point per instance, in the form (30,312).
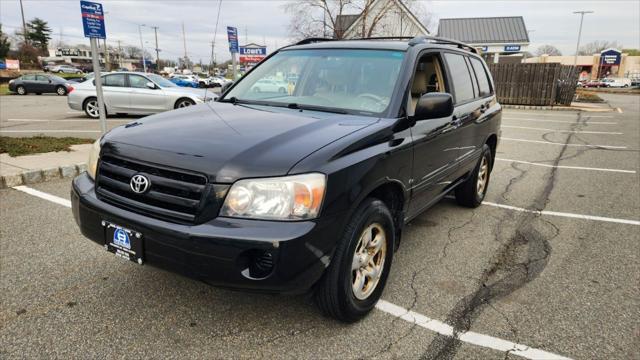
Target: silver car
(134,93)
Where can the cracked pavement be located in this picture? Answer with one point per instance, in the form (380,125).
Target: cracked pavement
(566,286)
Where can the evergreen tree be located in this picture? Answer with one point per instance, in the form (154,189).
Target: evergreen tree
(39,34)
(4,44)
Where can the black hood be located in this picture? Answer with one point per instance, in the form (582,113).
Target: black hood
(227,142)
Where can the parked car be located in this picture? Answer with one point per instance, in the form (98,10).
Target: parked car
(304,190)
(270,85)
(40,84)
(134,93)
(184,80)
(47,67)
(617,82)
(68,69)
(218,81)
(595,84)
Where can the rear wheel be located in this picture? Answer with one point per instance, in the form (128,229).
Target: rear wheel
(354,281)
(21,90)
(471,192)
(184,103)
(91,108)
(61,90)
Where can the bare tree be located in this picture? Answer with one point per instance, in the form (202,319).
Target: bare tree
(595,47)
(548,50)
(327,18)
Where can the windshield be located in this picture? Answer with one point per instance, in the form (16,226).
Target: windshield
(360,81)
(160,80)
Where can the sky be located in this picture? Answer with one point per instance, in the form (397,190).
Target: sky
(266,22)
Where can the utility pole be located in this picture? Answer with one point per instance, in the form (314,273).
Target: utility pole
(213,44)
(106,56)
(184,42)
(24,25)
(582,13)
(119,54)
(215,31)
(155,30)
(144,64)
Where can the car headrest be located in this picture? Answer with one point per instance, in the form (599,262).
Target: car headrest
(419,85)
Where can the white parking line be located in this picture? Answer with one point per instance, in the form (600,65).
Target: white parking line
(562,144)
(398,311)
(567,167)
(44,195)
(563,131)
(468,336)
(65,120)
(563,214)
(49,131)
(560,121)
(584,115)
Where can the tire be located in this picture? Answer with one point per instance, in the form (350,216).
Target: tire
(336,293)
(182,103)
(471,192)
(61,90)
(91,108)
(21,90)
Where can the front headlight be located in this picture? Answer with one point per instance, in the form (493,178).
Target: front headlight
(94,156)
(294,197)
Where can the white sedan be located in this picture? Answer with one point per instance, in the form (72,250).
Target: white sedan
(268,85)
(134,93)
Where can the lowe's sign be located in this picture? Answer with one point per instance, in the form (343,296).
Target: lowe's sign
(610,57)
(253,51)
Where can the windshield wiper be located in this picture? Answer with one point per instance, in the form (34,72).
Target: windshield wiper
(317,108)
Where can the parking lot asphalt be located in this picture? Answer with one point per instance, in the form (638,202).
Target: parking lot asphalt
(49,114)
(548,267)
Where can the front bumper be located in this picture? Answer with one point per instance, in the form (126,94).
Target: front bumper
(216,251)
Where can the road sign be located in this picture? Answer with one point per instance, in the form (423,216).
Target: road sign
(232,35)
(93,20)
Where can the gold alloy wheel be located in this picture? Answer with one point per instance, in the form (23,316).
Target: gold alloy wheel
(483,176)
(368,261)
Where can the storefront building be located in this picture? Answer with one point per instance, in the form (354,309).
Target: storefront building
(499,39)
(609,63)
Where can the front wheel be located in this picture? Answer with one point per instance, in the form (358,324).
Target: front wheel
(184,103)
(471,192)
(21,90)
(354,281)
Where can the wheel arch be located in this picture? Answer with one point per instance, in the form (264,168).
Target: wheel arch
(492,142)
(175,104)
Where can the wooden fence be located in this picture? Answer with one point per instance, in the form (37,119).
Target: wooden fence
(534,84)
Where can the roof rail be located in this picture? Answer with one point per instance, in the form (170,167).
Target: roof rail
(319,39)
(442,41)
(313,40)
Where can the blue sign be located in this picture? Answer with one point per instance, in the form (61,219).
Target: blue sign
(232,36)
(484,48)
(93,20)
(121,238)
(512,48)
(253,51)
(610,57)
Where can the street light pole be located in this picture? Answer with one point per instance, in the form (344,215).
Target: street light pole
(155,30)
(24,25)
(582,13)
(144,64)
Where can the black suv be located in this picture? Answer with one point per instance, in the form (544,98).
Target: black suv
(301,175)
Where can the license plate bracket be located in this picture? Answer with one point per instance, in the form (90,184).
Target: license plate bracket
(124,243)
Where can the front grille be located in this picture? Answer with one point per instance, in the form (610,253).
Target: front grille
(174,195)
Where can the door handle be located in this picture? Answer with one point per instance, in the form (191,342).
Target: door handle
(483,108)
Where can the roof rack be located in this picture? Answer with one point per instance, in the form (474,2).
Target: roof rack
(441,41)
(412,41)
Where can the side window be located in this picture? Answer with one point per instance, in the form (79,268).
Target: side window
(137,81)
(481,75)
(116,80)
(460,76)
(427,78)
(28,77)
(42,78)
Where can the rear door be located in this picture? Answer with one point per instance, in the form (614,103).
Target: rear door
(467,107)
(144,99)
(116,93)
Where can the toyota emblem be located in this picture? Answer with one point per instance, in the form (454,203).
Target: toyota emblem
(139,184)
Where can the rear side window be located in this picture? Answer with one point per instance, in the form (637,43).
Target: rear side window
(116,80)
(483,79)
(460,76)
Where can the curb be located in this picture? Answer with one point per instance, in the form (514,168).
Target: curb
(42,175)
(555,108)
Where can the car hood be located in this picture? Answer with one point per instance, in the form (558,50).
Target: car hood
(227,142)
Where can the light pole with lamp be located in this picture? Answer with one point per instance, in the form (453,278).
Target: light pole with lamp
(582,13)
(144,64)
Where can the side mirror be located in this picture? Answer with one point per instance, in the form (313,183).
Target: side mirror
(224,87)
(433,106)
(151,85)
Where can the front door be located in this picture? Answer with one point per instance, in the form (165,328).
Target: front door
(435,140)
(44,84)
(143,99)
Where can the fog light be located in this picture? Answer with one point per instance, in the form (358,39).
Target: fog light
(256,264)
